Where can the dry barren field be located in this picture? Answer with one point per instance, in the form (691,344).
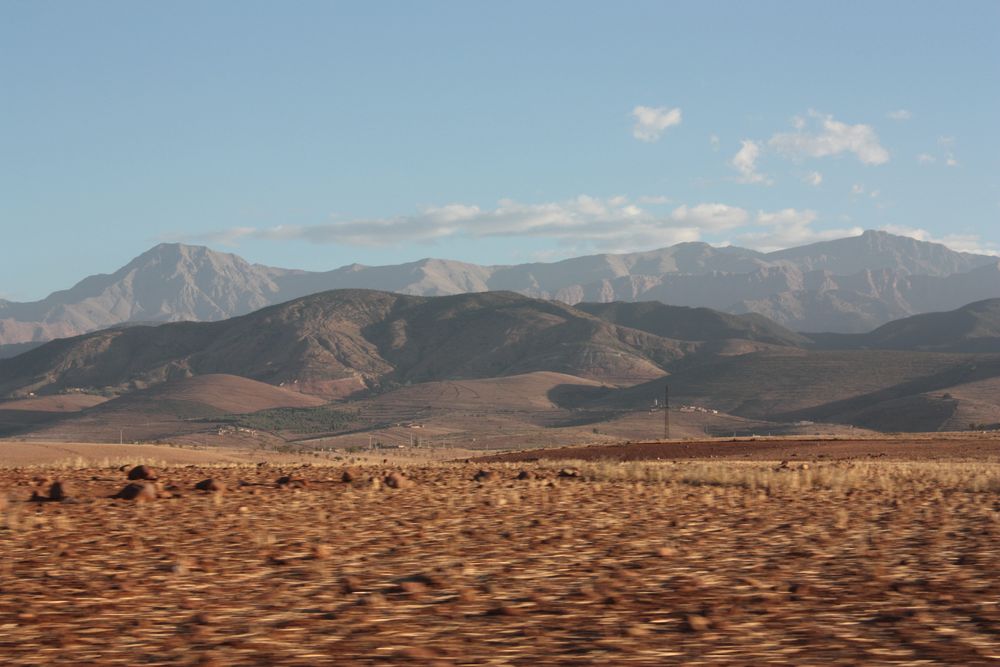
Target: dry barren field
(853,561)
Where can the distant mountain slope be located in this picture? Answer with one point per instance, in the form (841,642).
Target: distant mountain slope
(850,285)
(166,410)
(336,343)
(875,250)
(891,390)
(15,349)
(215,392)
(687,323)
(972,328)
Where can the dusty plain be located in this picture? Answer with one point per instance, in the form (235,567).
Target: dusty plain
(834,556)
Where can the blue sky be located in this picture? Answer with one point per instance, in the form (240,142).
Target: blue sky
(315,134)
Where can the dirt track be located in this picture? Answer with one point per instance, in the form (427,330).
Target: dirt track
(912,448)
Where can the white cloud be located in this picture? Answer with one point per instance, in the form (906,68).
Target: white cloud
(899,114)
(581,224)
(710,217)
(857,189)
(745,162)
(650,122)
(926,158)
(714,141)
(948,144)
(654,200)
(616,223)
(813,178)
(790,227)
(832,137)
(960,242)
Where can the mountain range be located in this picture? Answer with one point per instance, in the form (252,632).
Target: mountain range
(850,285)
(343,342)
(926,372)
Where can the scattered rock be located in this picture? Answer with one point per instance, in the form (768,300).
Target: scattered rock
(484,476)
(569,472)
(138,491)
(351,584)
(142,472)
(60,491)
(350,475)
(505,610)
(289,482)
(413,587)
(526,474)
(696,623)
(637,630)
(211,485)
(396,480)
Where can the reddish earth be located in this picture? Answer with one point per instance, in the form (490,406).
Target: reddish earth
(925,447)
(844,563)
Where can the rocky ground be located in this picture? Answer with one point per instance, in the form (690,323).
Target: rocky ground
(554,563)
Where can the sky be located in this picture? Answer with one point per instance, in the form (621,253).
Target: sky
(316,134)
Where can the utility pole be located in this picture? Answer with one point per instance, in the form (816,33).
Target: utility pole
(666,412)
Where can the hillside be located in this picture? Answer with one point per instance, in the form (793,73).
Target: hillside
(889,390)
(171,409)
(341,342)
(974,327)
(687,323)
(876,250)
(850,285)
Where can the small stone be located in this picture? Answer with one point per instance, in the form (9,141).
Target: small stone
(569,472)
(142,472)
(211,485)
(289,482)
(396,480)
(350,584)
(484,476)
(666,552)
(696,623)
(467,595)
(505,610)
(349,475)
(637,630)
(413,588)
(60,491)
(138,491)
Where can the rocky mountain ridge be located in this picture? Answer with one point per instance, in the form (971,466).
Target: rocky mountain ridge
(850,285)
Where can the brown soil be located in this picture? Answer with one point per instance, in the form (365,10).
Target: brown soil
(547,570)
(950,447)
(58,403)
